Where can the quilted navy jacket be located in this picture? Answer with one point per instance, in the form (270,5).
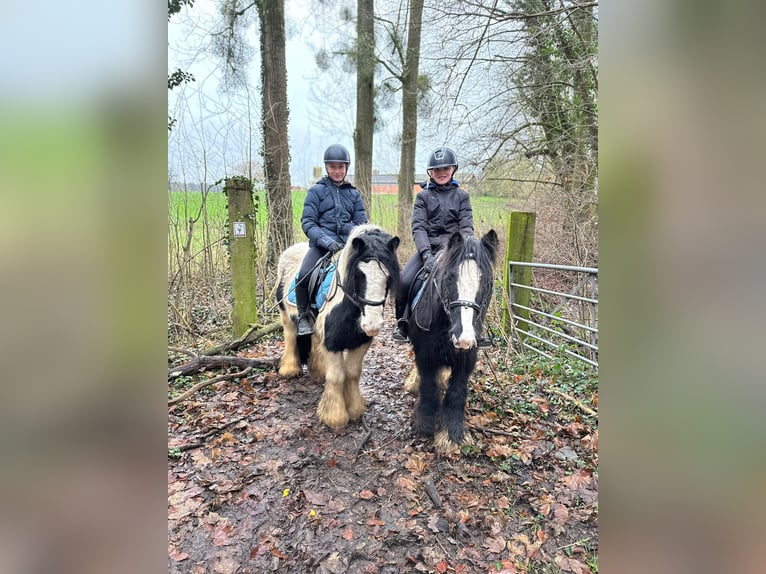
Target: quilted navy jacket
(438,212)
(330,212)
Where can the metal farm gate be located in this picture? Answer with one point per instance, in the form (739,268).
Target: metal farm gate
(556,321)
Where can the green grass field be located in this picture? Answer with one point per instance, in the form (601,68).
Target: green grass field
(489,212)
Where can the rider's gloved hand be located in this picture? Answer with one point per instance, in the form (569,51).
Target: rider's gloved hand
(428,261)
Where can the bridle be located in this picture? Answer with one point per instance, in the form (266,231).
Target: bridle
(359,301)
(448,305)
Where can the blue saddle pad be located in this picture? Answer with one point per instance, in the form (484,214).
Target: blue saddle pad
(321,296)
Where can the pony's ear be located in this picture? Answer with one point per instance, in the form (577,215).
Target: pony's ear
(490,242)
(393,243)
(358,244)
(455,239)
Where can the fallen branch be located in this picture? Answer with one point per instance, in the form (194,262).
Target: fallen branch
(488,431)
(181,351)
(201,385)
(365,438)
(248,337)
(431,492)
(208,434)
(577,402)
(218,362)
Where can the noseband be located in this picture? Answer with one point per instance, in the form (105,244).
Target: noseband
(462,303)
(359,301)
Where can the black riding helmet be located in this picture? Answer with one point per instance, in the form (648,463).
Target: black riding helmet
(336,153)
(442,157)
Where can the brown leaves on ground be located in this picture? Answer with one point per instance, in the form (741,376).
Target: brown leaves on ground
(278,491)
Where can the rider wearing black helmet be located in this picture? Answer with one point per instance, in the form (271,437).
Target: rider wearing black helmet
(331,210)
(441,208)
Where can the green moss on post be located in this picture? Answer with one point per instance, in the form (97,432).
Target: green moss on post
(242,251)
(519,247)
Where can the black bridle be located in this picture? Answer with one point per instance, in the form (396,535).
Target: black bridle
(359,301)
(448,305)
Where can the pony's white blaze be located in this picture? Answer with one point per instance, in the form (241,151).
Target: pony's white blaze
(467,290)
(371,320)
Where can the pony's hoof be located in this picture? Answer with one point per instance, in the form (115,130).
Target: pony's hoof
(333,417)
(290,372)
(355,413)
(335,423)
(444,445)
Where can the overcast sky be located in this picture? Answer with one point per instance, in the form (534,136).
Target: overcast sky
(308,135)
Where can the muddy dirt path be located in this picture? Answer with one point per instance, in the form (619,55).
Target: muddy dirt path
(271,489)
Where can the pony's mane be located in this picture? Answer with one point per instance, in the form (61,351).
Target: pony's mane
(376,245)
(470,248)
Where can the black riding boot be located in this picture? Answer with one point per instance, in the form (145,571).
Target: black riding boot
(400,333)
(305,319)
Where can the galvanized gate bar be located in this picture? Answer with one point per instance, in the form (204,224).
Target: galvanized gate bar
(555,318)
(532,331)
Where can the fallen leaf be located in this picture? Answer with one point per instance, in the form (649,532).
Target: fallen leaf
(348,534)
(228,437)
(499,451)
(316,498)
(222,533)
(415,464)
(186,508)
(494,545)
(571,565)
(176,554)
(442,566)
(576,480)
(278,554)
(560,514)
(366,494)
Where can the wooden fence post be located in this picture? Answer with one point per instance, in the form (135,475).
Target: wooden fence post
(242,252)
(520,239)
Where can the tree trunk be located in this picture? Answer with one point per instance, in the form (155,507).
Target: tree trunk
(365,109)
(276,152)
(409,121)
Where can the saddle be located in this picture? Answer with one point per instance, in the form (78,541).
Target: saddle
(319,282)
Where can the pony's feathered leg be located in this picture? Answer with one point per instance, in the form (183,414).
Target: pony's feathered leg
(428,404)
(351,392)
(412,382)
(454,405)
(289,364)
(332,405)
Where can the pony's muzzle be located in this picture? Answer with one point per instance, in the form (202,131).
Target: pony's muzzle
(372,322)
(463,343)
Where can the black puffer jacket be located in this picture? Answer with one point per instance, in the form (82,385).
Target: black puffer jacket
(439,211)
(330,212)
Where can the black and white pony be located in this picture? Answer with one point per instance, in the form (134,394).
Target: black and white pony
(446,321)
(367,270)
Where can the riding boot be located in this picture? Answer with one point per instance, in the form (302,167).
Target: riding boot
(305,319)
(484,343)
(400,333)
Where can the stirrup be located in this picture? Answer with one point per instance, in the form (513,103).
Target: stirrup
(484,343)
(400,337)
(400,332)
(305,325)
